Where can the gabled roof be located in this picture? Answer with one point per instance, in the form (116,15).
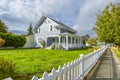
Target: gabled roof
(42,19)
(61,25)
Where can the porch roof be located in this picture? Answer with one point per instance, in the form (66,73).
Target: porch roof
(68,34)
(65,34)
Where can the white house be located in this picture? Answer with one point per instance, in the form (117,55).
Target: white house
(54,32)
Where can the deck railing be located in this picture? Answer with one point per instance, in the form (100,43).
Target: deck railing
(76,70)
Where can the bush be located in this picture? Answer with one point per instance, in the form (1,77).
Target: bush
(12,40)
(42,42)
(60,47)
(6,68)
(20,41)
(53,46)
(92,49)
(2,41)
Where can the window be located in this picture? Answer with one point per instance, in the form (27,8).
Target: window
(51,28)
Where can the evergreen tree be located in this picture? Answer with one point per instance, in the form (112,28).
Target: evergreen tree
(30,32)
(3,28)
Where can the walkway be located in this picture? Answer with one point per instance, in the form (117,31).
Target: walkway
(107,68)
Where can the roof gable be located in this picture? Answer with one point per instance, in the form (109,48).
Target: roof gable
(60,25)
(40,22)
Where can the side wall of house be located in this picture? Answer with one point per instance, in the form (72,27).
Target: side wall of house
(30,42)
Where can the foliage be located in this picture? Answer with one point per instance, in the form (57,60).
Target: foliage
(12,40)
(3,27)
(92,41)
(30,32)
(2,42)
(85,38)
(89,50)
(35,61)
(6,68)
(117,52)
(60,47)
(107,26)
(19,41)
(53,46)
(42,42)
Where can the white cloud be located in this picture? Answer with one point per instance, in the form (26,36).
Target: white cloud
(87,14)
(78,12)
(34,9)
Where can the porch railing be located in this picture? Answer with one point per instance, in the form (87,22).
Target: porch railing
(71,46)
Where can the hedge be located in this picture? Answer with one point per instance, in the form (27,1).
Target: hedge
(12,40)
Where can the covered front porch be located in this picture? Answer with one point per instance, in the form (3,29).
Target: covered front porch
(66,41)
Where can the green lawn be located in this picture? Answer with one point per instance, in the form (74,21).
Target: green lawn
(36,61)
(117,52)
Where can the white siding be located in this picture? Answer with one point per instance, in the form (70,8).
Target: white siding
(45,30)
(30,42)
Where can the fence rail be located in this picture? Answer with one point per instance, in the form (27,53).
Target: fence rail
(76,70)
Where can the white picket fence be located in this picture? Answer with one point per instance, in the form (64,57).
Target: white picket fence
(76,70)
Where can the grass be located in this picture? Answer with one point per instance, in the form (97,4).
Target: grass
(117,52)
(35,61)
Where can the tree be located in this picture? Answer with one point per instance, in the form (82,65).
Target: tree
(2,41)
(3,28)
(12,40)
(30,30)
(107,26)
(92,41)
(85,38)
(20,40)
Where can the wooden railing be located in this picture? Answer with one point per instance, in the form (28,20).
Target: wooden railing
(76,70)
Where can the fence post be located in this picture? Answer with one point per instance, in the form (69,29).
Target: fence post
(64,72)
(60,73)
(69,71)
(45,76)
(34,78)
(53,74)
(82,66)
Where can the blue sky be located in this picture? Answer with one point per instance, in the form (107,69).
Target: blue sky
(78,14)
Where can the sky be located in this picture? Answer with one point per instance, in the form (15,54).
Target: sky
(77,14)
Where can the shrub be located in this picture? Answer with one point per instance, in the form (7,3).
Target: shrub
(53,46)
(2,41)
(92,49)
(20,41)
(12,40)
(60,47)
(6,68)
(42,42)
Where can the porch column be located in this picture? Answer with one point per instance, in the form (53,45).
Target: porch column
(79,42)
(71,42)
(67,42)
(75,42)
(59,39)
